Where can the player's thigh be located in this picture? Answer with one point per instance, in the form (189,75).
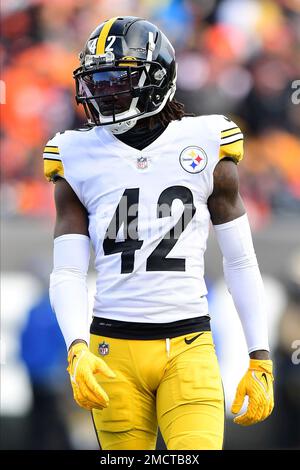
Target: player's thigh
(129,421)
(190,400)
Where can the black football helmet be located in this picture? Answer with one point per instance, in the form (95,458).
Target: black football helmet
(127,72)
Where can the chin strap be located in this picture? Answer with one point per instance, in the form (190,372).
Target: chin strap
(121,127)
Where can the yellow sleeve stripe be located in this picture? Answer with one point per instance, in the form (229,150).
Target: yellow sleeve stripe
(50,159)
(53,168)
(51,149)
(229,132)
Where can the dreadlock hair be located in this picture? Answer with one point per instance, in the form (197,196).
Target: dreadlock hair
(172,111)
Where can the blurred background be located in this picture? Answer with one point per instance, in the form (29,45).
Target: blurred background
(235,57)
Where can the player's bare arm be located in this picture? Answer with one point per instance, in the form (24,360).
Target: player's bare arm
(71,215)
(225,203)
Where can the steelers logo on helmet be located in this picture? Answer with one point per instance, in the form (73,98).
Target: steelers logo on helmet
(193,159)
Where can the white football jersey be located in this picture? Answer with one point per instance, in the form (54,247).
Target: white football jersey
(148,215)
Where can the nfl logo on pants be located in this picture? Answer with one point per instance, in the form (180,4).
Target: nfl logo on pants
(103,348)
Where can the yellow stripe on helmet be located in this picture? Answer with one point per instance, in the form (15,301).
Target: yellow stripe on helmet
(103,35)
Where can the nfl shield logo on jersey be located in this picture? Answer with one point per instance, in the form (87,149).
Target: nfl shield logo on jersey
(142,163)
(103,348)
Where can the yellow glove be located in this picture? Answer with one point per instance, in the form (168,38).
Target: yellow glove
(83,365)
(257,383)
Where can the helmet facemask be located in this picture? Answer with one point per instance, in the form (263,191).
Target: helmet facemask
(118,93)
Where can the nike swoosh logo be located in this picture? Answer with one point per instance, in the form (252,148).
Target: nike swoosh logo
(189,341)
(73,376)
(265,377)
(75,355)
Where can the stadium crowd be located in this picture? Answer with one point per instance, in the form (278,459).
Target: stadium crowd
(239,58)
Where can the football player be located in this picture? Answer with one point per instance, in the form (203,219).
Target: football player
(142,182)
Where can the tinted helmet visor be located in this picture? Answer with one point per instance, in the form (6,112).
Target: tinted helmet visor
(111,92)
(117,93)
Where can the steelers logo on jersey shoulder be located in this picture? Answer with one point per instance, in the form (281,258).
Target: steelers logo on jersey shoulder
(193,159)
